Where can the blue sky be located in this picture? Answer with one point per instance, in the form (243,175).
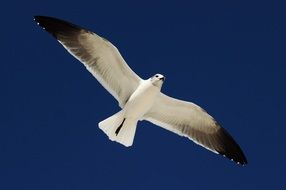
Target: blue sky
(228,57)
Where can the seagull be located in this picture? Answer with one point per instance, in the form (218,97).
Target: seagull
(139,99)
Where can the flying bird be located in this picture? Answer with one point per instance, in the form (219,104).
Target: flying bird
(139,99)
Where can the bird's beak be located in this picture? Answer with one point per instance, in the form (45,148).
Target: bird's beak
(163,79)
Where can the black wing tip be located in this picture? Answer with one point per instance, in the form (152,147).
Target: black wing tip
(238,161)
(56,26)
(231,149)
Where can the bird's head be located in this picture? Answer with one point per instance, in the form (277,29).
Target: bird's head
(157,80)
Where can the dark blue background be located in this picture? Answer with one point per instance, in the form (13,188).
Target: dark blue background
(226,56)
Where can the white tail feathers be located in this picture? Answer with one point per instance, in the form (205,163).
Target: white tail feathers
(119,129)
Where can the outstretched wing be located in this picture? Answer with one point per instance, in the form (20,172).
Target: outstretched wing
(98,55)
(189,120)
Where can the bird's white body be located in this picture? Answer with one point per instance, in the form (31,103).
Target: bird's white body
(141,100)
(121,127)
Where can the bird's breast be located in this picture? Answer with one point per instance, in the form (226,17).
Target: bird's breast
(141,100)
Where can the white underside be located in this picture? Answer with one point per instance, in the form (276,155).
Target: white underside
(121,127)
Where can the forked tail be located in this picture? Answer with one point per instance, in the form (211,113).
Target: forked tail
(119,129)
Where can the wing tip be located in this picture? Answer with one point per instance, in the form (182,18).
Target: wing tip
(242,162)
(56,26)
(231,149)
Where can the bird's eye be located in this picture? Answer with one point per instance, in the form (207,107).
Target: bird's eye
(156,76)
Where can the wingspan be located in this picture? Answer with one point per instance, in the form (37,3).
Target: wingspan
(189,120)
(99,56)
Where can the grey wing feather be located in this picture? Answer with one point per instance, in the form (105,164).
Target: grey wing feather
(99,56)
(189,120)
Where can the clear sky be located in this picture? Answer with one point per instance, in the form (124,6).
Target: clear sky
(226,56)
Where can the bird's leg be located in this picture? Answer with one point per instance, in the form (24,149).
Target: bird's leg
(118,129)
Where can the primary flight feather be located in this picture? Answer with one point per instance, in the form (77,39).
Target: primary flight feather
(139,99)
